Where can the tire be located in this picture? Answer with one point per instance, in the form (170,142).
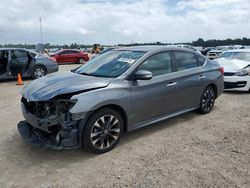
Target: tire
(207,100)
(103,131)
(81,61)
(38,71)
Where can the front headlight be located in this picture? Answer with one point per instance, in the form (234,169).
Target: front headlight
(66,105)
(243,72)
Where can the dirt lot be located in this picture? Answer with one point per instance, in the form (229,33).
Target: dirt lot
(191,150)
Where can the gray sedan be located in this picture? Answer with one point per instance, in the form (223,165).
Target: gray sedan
(119,91)
(25,62)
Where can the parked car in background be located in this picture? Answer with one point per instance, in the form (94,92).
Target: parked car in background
(27,63)
(182,46)
(236,65)
(204,51)
(103,51)
(119,91)
(107,49)
(52,51)
(212,54)
(70,56)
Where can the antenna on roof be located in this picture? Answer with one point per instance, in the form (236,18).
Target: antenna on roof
(41,33)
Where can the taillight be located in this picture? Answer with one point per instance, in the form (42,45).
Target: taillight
(221,69)
(52,59)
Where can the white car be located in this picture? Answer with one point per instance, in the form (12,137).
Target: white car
(212,54)
(236,64)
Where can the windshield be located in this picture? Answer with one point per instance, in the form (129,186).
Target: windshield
(110,64)
(106,50)
(222,48)
(245,56)
(33,53)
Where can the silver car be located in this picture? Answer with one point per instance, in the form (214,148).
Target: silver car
(25,62)
(119,91)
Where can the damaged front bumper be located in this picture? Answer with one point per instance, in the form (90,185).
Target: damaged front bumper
(45,140)
(55,130)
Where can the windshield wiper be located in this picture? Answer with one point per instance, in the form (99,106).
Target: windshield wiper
(86,74)
(103,76)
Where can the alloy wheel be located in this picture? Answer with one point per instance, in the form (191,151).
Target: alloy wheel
(81,61)
(208,99)
(39,72)
(105,132)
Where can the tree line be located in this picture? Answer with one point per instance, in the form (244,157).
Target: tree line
(33,46)
(199,42)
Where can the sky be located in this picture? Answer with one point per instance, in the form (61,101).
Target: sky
(122,21)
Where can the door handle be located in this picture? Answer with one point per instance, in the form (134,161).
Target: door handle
(202,77)
(171,84)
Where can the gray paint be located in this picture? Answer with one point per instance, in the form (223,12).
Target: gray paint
(47,87)
(39,59)
(144,101)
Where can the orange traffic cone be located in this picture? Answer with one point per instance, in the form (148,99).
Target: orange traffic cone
(19,80)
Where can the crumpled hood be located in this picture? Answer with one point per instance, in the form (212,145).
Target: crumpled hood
(52,85)
(232,65)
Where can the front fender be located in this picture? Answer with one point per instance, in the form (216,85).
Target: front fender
(95,99)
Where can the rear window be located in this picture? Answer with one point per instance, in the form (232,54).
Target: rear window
(33,54)
(65,52)
(185,60)
(19,54)
(74,51)
(201,60)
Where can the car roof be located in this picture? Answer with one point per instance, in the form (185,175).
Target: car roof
(14,49)
(69,49)
(66,50)
(153,48)
(225,46)
(239,50)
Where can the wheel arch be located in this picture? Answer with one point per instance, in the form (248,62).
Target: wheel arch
(115,107)
(214,86)
(121,111)
(38,65)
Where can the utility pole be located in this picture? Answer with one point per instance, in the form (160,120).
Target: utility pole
(41,32)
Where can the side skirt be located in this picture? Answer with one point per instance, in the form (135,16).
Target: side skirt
(158,119)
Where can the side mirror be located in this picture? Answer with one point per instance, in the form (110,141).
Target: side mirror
(143,75)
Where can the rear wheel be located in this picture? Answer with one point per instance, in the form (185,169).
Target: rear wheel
(38,71)
(207,100)
(81,61)
(103,131)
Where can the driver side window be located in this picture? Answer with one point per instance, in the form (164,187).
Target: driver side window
(158,64)
(65,52)
(15,54)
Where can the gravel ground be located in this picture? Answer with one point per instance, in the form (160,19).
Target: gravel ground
(191,150)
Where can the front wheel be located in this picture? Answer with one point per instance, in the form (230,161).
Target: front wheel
(103,131)
(38,71)
(207,100)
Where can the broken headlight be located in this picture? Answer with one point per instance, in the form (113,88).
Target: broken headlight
(66,105)
(243,72)
(45,109)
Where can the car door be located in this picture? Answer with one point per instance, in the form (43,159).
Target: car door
(4,62)
(155,97)
(189,79)
(19,60)
(74,56)
(63,57)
